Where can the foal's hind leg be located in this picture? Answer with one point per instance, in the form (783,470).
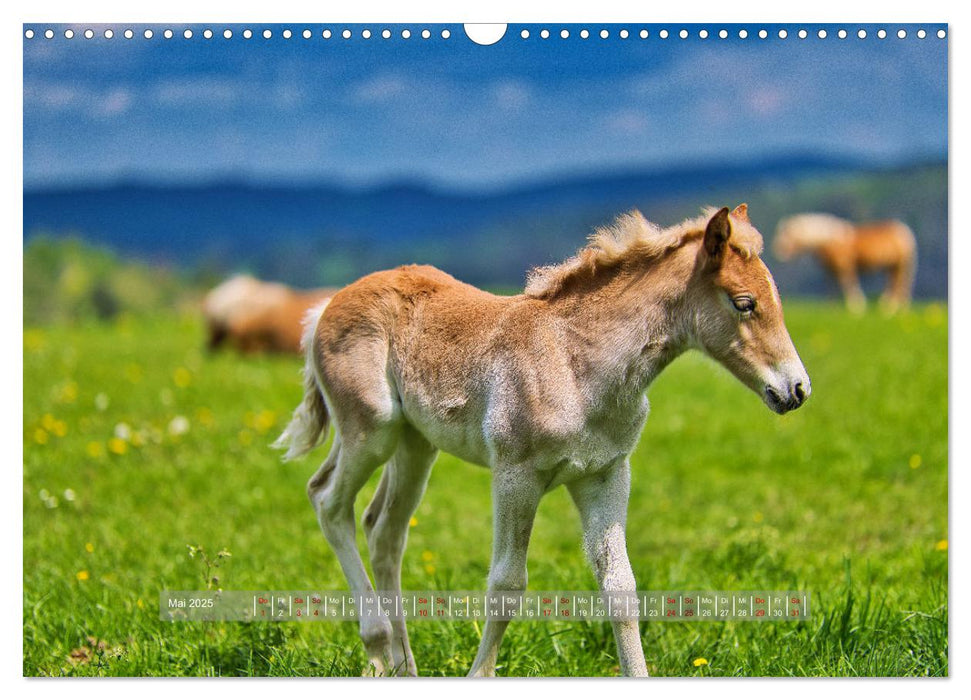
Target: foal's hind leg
(386,522)
(332,491)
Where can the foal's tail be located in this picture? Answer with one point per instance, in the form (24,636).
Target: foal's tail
(308,426)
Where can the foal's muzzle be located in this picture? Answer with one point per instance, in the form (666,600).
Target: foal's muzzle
(788,397)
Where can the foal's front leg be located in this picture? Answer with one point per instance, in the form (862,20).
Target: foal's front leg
(602,502)
(515,496)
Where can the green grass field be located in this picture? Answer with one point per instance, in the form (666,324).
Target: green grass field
(137,444)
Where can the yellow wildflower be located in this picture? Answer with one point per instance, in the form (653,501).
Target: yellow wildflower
(413,522)
(700,661)
(40,436)
(427,556)
(89,548)
(67,392)
(117,446)
(429,569)
(83,575)
(941,546)
(182,377)
(915,461)
(205,418)
(50,424)
(34,339)
(264,421)
(758,517)
(95,450)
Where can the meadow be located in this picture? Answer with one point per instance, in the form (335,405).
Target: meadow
(139,446)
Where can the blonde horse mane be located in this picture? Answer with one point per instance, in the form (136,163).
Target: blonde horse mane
(632,236)
(813,230)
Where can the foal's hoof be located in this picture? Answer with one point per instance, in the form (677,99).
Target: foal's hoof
(377,668)
(482,673)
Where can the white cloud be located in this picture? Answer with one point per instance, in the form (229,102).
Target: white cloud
(56,97)
(627,121)
(83,100)
(741,85)
(290,95)
(379,89)
(767,100)
(116,101)
(186,92)
(511,95)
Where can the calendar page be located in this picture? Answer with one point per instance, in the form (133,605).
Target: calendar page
(526,350)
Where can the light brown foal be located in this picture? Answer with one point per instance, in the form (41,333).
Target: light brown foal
(545,388)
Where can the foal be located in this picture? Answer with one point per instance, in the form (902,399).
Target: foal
(544,388)
(846,249)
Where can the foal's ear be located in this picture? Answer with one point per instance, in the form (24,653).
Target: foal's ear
(716,237)
(741,212)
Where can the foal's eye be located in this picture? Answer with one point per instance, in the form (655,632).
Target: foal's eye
(744,304)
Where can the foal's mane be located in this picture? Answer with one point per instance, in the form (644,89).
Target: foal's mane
(630,237)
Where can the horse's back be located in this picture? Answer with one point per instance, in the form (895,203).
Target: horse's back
(236,296)
(884,243)
(378,301)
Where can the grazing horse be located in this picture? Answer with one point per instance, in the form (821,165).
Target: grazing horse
(256,316)
(545,388)
(846,249)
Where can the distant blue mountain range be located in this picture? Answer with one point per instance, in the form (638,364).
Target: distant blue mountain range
(325,234)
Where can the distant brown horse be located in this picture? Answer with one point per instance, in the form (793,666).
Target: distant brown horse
(846,249)
(255,316)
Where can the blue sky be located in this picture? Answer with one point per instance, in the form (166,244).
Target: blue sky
(460,115)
